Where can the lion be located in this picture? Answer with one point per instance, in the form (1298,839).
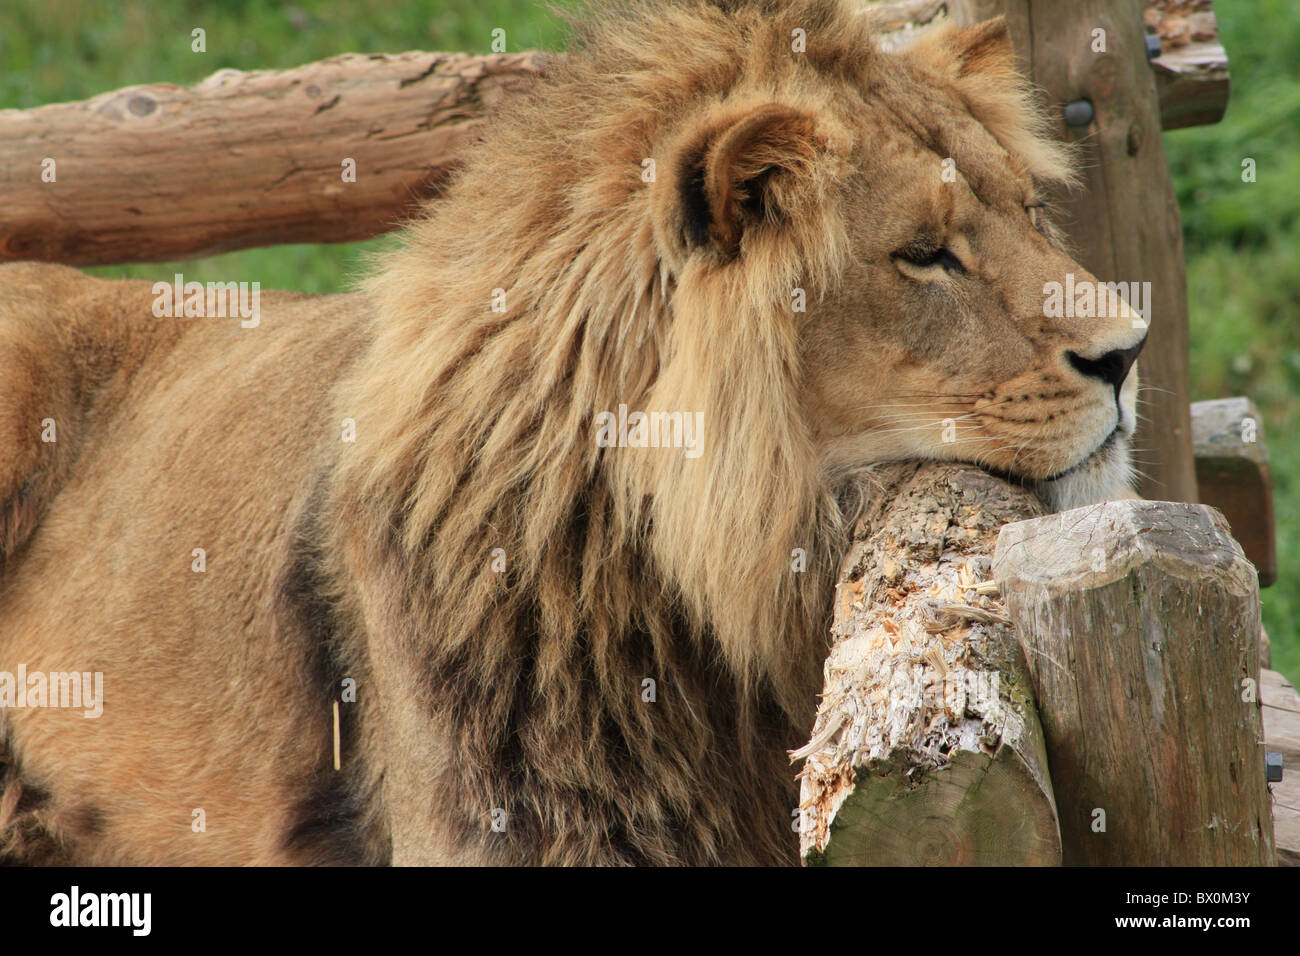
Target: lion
(432,507)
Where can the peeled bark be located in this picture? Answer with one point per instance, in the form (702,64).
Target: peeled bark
(926,747)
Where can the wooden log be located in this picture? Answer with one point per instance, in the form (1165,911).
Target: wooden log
(926,749)
(152,173)
(162,172)
(1140,622)
(1282,736)
(1232,474)
(1192,68)
(1124,223)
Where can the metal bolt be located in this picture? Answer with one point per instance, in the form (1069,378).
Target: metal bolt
(1078,113)
(1273,767)
(1153,46)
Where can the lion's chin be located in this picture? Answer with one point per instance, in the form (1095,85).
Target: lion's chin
(1105,475)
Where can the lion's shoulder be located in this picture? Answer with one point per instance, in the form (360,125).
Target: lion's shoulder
(63,333)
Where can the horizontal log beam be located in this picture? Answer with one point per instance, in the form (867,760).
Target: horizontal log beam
(162,172)
(1192,68)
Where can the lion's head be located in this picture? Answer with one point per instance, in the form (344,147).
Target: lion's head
(899,200)
(747,215)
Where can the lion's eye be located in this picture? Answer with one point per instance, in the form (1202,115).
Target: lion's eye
(923,258)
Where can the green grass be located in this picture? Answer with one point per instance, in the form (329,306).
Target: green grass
(1243,271)
(1241,238)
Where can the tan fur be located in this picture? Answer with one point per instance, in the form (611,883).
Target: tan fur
(522,690)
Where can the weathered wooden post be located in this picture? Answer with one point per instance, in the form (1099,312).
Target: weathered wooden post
(1091,55)
(1140,623)
(1232,473)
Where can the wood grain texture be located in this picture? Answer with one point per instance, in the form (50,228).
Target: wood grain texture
(1282,735)
(159,172)
(1140,622)
(1232,474)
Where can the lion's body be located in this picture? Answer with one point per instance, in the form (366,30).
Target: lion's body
(563,652)
(205,708)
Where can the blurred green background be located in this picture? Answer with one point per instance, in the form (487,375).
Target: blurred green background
(1241,238)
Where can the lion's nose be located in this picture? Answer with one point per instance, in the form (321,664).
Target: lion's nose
(1111,368)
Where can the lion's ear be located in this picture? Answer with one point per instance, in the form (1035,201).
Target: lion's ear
(740,171)
(982,50)
(986,49)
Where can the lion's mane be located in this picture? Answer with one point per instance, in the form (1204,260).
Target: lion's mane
(478,432)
